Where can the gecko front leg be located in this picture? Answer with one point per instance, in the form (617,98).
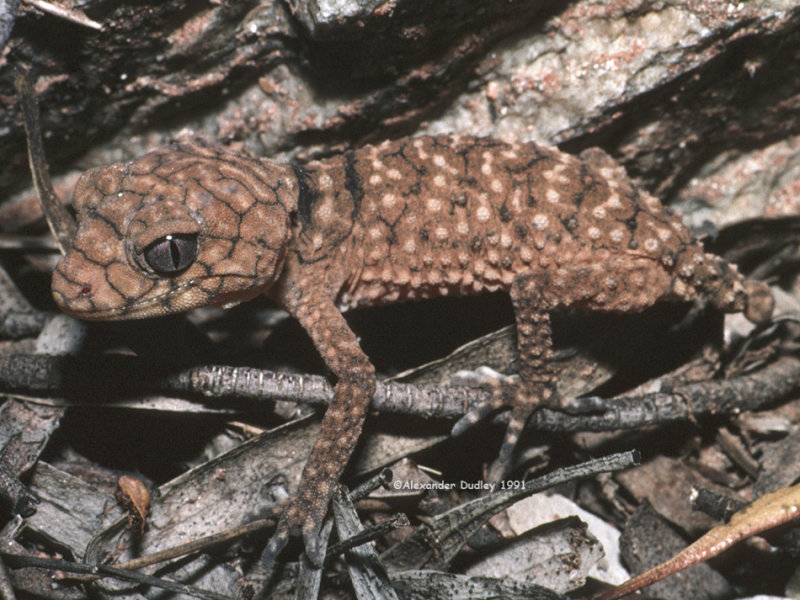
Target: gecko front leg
(341,425)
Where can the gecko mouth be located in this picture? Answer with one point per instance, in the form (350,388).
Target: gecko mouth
(83,307)
(180,298)
(94,298)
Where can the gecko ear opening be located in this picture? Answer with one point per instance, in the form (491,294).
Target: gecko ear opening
(171,254)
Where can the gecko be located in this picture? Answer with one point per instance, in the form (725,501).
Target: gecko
(770,510)
(193,224)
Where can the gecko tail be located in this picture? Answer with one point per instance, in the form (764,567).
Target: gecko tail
(760,302)
(722,284)
(734,293)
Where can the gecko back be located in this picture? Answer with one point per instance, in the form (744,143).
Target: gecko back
(452,215)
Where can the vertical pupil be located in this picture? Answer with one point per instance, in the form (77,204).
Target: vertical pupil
(171,253)
(174,251)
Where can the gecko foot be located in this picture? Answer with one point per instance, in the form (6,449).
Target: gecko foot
(509,393)
(505,389)
(262,573)
(295,520)
(484,377)
(315,546)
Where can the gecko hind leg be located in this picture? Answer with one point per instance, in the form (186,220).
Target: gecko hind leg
(624,285)
(535,387)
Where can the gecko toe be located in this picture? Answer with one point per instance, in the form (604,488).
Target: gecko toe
(498,470)
(477,414)
(500,467)
(483,376)
(275,545)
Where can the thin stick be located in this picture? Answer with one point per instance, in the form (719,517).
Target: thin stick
(201,544)
(25,373)
(767,512)
(61,222)
(188,548)
(73,16)
(106,571)
(369,534)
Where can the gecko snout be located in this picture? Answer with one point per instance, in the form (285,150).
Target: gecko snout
(73,295)
(82,288)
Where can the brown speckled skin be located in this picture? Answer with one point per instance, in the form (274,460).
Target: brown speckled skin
(407,219)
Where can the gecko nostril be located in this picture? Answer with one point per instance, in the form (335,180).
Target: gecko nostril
(86,290)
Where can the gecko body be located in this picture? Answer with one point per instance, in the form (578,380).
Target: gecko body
(192,225)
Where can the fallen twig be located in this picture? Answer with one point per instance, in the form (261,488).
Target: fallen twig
(369,534)
(21,560)
(63,375)
(436,542)
(199,545)
(70,14)
(769,511)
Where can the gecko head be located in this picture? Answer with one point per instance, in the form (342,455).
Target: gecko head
(179,228)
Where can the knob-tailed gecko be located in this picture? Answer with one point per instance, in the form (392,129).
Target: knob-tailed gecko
(192,225)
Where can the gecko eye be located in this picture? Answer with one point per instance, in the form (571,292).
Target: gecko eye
(172,253)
